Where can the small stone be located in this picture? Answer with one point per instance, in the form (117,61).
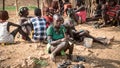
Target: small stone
(16,66)
(30,45)
(30,63)
(117,45)
(8,67)
(93,64)
(46,56)
(4,58)
(96,54)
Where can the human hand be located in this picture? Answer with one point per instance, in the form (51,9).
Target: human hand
(64,39)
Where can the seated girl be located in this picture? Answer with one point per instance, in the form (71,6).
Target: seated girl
(5,35)
(23,13)
(57,38)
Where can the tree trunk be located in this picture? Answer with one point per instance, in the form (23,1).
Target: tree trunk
(16,4)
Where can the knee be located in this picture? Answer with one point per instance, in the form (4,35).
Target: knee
(86,31)
(63,44)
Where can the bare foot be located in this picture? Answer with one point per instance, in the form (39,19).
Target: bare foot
(108,41)
(52,57)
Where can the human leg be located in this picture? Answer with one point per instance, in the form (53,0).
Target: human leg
(86,34)
(62,46)
(21,32)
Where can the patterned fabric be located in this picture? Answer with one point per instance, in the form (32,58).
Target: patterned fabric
(39,26)
(49,21)
(111,11)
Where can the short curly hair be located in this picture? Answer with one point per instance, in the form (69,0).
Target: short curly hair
(4,15)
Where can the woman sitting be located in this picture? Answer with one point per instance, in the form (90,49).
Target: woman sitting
(5,35)
(57,38)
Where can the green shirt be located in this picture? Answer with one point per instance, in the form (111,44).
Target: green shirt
(51,31)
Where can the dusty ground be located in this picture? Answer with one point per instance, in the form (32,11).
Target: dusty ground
(99,56)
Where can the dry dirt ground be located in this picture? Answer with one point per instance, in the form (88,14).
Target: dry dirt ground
(19,55)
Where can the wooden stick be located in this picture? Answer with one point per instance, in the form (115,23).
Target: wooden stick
(3,4)
(38,4)
(16,4)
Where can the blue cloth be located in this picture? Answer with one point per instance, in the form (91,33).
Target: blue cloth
(39,26)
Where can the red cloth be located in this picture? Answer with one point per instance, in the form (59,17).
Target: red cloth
(66,6)
(49,20)
(82,15)
(111,11)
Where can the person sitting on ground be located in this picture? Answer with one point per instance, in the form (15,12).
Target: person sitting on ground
(71,13)
(23,13)
(5,35)
(39,26)
(80,35)
(67,5)
(47,17)
(82,14)
(55,6)
(61,6)
(58,39)
(109,13)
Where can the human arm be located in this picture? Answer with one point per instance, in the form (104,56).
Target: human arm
(52,42)
(53,38)
(12,24)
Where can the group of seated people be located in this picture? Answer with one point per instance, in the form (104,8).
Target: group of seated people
(59,32)
(109,11)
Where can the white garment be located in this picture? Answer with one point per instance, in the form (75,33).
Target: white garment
(5,36)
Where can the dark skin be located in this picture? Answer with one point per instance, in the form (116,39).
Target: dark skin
(106,17)
(77,35)
(18,29)
(60,44)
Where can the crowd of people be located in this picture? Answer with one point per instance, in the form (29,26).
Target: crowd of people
(56,25)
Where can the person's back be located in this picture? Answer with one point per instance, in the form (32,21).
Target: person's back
(82,14)
(23,13)
(49,20)
(4,34)
(39,26)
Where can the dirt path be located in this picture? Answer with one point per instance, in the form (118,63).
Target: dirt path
(98,56)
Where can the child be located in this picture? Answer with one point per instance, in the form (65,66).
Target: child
(5,35)
(39,26)
(80,35)
(23,13)
(47,17)
(82,14)
(58,39)
(67,5)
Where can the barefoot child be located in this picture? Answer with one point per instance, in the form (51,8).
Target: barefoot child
(57,38)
